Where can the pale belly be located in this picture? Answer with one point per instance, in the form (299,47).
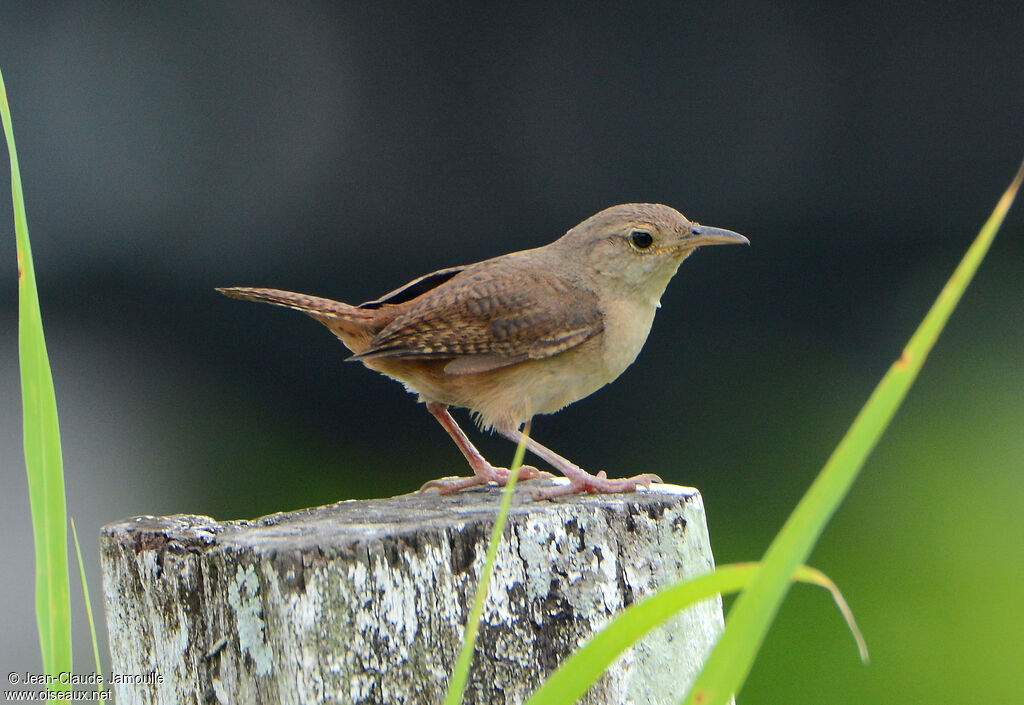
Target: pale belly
(509,396)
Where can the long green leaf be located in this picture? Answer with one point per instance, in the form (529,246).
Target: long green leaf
(578,672)
(42,442)
(751,615)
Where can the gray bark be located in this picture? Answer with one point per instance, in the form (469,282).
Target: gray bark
(366,601)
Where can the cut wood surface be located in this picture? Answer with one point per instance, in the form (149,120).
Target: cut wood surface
(365,601)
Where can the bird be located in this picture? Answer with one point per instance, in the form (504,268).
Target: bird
(519,335)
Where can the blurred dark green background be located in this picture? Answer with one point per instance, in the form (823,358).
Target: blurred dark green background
(343,150)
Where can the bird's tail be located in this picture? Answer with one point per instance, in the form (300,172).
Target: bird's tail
(315,306)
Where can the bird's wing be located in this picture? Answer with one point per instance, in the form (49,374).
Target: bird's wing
(417,287)
(484,319)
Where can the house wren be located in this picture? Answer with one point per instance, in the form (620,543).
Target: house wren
(522,334)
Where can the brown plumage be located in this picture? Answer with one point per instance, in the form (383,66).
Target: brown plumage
(522,334)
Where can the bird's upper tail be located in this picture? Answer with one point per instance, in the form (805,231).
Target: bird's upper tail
(315,306)
(354,326)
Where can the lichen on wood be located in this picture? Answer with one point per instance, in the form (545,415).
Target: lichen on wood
(365,601)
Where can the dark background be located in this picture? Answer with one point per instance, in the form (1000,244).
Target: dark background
(343,150)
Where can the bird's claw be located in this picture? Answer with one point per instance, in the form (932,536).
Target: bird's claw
(596,484)
(485,476)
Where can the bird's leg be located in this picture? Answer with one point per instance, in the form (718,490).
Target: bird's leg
(483,471)
(579,479)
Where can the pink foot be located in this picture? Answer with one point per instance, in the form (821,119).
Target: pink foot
(596,484)
(484,476)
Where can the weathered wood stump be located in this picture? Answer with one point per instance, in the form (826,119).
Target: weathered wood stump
(366,601)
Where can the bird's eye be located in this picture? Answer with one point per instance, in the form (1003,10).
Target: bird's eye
(641,239)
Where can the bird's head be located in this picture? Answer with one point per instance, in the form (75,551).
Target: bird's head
(640,245)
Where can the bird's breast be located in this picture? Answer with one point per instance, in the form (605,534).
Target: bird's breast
(626,326)
(580,372)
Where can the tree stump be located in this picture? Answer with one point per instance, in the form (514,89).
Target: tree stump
(366,601)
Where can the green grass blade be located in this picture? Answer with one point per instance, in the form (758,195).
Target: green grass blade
(581,670)
(813,576)
(460,675)
(42,442)
(751,615)
(88,611)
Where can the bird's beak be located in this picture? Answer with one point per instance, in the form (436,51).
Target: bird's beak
(704,235)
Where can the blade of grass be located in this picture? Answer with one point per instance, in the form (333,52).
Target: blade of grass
(752,614)
(460,675)
(88,611)
(813,576)
(581,670)
(42,443)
